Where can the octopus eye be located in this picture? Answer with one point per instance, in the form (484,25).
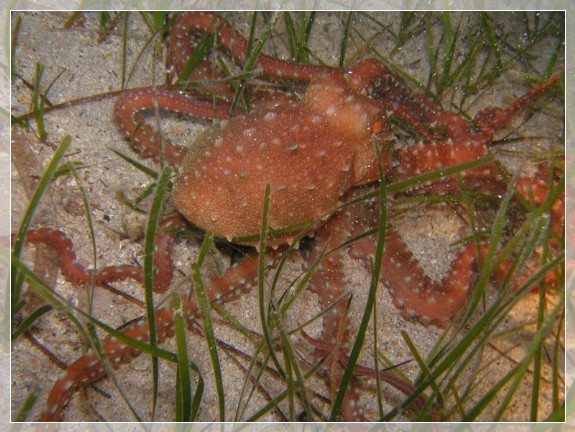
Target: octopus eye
(377,127)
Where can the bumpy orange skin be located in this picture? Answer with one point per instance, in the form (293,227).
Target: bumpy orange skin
(330,128)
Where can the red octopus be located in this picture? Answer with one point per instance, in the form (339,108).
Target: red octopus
(313,155)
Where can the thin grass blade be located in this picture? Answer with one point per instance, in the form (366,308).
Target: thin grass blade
(204,306)
(149,250)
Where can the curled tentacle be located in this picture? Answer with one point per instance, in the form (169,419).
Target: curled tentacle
(90,368)
(240,278)
(413,291)
(189,23)
(77,274)
(146,140)
(492,119)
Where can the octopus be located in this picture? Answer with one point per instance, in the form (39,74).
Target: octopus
(316,173)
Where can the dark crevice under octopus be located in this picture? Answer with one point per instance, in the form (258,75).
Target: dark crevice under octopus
(320,155)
